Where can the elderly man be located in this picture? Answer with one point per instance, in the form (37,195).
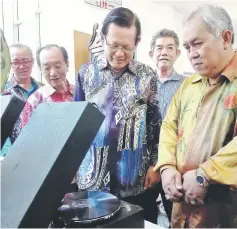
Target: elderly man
(198,142)
(53,62)
(20,83)
(164,52)
(123,154)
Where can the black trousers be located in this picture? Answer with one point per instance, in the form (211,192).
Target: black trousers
(147,200)
(167,204)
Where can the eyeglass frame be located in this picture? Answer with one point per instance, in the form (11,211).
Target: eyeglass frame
(25,63)
(115,48)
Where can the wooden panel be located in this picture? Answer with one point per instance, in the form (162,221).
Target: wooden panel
(81,52)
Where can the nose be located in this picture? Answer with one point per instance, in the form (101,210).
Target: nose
(193,53)
(119,52)
(164,52)
(52,72)
(21,66)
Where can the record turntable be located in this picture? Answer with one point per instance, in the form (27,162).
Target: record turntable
(55,161)
(88,209)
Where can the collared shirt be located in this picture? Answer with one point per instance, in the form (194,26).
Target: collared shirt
(126,144)
(167,89)
(200,130)
(45,94)
(13,88)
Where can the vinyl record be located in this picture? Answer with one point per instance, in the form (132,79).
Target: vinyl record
(88,206)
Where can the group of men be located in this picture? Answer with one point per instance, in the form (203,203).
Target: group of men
(159,127)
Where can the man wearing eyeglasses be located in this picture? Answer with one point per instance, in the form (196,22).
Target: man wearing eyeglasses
(20,82)
(121,158)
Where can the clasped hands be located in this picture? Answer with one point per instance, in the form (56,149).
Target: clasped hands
(177,187)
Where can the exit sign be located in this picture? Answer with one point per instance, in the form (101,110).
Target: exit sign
(106,4)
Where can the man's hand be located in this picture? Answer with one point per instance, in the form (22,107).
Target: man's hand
(151,177)
(172,184)
(194,193)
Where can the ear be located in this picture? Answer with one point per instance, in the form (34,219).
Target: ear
(177,53)
(67,65)
(227,38)
(151,54)
(102,37)
(138,41)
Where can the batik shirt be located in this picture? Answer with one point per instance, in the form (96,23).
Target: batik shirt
(126,144)
(45,94)
(200,130)
(12,88)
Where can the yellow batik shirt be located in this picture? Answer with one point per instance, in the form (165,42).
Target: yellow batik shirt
(200,128)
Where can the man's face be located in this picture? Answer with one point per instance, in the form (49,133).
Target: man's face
(165,53)
(204,50)
(21,63)
(53,67)
(119,46)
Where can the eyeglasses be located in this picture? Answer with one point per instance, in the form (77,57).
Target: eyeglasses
(25,63)
(115,48)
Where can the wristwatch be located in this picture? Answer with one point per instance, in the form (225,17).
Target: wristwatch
(201,180)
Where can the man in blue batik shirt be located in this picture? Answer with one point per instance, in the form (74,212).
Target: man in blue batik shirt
(123,154)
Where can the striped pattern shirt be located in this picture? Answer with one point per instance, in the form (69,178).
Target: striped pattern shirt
(167,89)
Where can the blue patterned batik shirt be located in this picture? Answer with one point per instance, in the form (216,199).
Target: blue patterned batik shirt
(13,88)
(126,144)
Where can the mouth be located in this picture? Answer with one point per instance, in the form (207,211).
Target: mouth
(163,59)
(119,60)
(197,64)
(54,79)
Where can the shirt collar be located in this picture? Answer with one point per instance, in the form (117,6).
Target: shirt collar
(48,90)
(229,72)
(103,63)
(197,78)
(173,76)
(12,82)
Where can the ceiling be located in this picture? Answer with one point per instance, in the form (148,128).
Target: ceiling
(186,6)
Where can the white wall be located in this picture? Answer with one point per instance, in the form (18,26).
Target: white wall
(182,64)
(153,17)
(59,18)
(78,16)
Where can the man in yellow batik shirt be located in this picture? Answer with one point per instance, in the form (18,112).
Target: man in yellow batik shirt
(198,141)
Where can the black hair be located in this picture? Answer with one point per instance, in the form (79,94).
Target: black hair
(122,17)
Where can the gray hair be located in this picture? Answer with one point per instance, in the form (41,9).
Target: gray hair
(164,33)
(215,17)
(22,46)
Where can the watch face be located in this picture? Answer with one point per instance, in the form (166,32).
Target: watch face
(200,179)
